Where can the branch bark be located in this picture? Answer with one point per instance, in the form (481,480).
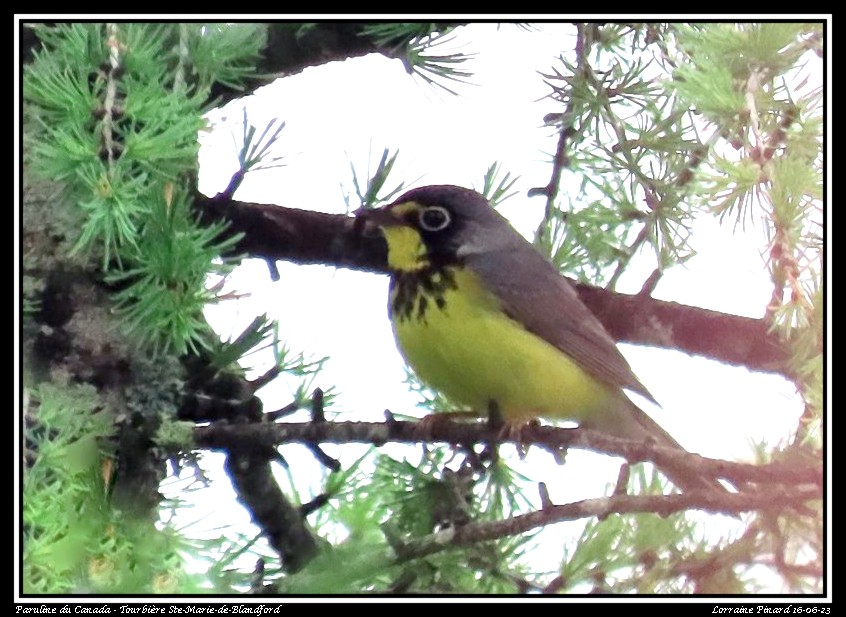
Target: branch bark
(282,523)
(779,486)
(266,436)
(664,505)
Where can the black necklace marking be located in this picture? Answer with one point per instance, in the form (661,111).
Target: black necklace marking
(414,291)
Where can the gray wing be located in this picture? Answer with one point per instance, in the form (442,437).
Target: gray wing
(534,294)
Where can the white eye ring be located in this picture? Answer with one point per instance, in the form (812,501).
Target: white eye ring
(434,218)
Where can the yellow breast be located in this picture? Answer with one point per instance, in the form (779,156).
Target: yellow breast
(464,346)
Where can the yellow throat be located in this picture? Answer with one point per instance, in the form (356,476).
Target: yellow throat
(455,336)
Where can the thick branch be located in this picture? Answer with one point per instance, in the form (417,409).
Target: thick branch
(293,47)
(307,237)
(282,523)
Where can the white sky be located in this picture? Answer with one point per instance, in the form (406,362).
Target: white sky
(351,111)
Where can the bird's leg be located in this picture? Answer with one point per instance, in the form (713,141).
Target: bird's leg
(497,424)
(495,420)
(510,431)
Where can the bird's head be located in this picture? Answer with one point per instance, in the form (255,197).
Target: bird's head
(437,225)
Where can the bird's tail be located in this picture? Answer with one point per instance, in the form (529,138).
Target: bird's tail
(639,425)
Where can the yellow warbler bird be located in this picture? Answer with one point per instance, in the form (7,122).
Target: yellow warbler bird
(481,316)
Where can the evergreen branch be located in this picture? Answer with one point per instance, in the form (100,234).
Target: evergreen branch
(631,138)
(110,147)
(631,250)
(413,42)
(369,196)
(226,55)
(225,355)
(566,130)
(281,48)
(663,505)
(163,291)
(399,35)
(253,154)
(435,70)
(183,59)
(554,439)
(495,186)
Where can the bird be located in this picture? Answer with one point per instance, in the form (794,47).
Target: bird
(482,316)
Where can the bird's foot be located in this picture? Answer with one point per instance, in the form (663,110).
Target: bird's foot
(521,433)
(518,432)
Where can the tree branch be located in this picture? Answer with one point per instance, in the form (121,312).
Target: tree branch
(307,237)
(264,436)
(282,523)
(291,47)
(664,505)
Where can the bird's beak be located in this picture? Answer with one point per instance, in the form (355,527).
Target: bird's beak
(371,220)
(383,217)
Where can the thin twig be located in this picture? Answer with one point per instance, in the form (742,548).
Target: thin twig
(565,131)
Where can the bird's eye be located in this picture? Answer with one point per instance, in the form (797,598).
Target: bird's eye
(434,218)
